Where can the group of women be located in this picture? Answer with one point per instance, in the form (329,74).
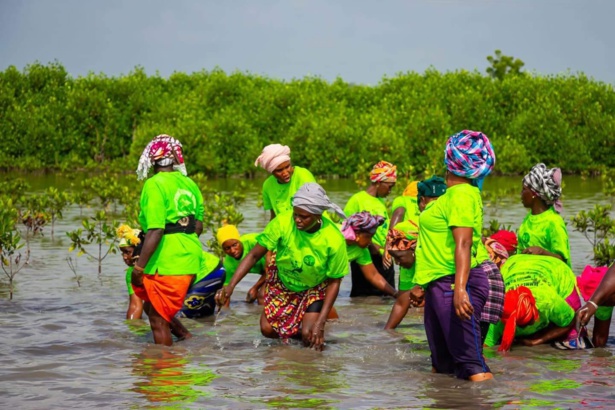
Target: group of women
(434,235)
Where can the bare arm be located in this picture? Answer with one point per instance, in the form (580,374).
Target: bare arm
(602,296)
(375,278)
(398,216)
(317,332)
(135,307)
(463,249)
(399,310)
(242,270)
(150,243)
(537,250)
(199,227)
(552,332)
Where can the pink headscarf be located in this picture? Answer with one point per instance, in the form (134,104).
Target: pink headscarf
(272,156)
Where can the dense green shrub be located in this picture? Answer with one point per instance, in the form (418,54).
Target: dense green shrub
(52,120)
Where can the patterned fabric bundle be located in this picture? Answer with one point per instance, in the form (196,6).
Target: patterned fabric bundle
(507,239)
(411,189)
(519,309)
(398,240)
(469,154)
(494,305)
(361,222)
(163,150)
(285,309)
(497,252)
(383,172)
(432,187)
(128,236)
(272,156)
(546,183)
(312,197)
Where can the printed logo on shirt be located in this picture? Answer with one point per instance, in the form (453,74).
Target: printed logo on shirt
(185,202)
(309,260)
(525,238)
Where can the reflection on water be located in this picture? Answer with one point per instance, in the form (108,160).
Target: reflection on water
(64,346)
(165,376)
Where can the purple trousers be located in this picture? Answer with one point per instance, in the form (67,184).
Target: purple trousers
(455,344)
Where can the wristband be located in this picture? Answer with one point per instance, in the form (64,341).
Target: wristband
(593,304)
(138,269)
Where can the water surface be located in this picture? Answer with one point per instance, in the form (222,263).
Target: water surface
(65,346)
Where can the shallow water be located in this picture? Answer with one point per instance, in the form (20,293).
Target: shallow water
(65,346)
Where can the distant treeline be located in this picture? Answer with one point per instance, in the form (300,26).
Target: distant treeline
(49,119)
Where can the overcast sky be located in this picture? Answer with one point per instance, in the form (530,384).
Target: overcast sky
(358,40)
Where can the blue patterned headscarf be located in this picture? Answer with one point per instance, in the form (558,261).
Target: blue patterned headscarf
(469,154)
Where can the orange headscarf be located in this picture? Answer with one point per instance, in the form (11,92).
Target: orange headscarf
(519,309)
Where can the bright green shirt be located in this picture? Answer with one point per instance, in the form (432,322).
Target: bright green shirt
(547,230)
(305,260)
(166,198)
(460,206)
(362,201)
(406,278)
(410,205)
(129,280)
(231,264)
(358,254)
(209,263)
(551,282)
(278,197)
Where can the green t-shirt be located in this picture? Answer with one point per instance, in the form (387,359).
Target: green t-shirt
(278,197)
(209,263)
(604,312)
(358,254)
(305,260)
(231,264)
(410,206)
(129,280)
(362,201)
(547,230)
(551,282)
(166,198)
(460,206)
(406,278)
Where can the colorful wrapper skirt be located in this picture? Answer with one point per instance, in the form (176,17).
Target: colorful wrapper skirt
(166,293)
(284,309)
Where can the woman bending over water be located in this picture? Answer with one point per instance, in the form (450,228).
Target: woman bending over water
(310,262)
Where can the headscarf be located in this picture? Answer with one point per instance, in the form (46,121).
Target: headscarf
(546,183)
(272,156)
(127,236)
(383,172)
(519,310)
(469,154)
(590,279)
(497,252)
(401,240)
(163,150)
(361,222)
(312,197)
(227,232)
(507,239)
(432,187)
(411,189)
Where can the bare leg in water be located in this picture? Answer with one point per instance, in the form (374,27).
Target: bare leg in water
(162,329)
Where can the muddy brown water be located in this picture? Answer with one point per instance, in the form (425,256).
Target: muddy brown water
(64,346)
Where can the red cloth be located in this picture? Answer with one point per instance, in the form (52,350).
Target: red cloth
(166,293)
(519,309)
(508,239)
(590,279)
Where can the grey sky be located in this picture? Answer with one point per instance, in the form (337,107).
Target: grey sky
(358,40)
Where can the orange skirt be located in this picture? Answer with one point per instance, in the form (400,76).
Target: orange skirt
(166,293)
